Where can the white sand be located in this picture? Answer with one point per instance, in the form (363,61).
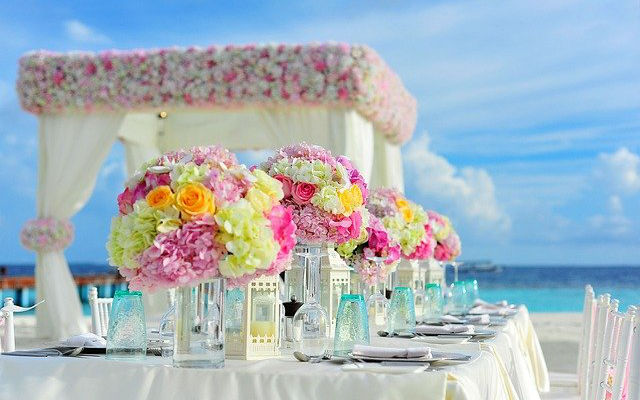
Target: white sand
(559,335)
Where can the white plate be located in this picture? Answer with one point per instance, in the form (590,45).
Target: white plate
(442,339)
(436,356)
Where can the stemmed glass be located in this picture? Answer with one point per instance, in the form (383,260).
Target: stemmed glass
(419,295)
(377,303)
(311,321)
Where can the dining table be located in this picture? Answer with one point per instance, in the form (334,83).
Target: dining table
(508,366)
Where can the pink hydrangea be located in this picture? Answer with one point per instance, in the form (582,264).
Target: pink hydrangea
(318,226)
(181,257)
(301,150)
(442,252)
(380,244)
(426,247)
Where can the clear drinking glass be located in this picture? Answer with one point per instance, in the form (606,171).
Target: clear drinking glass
(432,302)
(352,326)
(127,333)
(419,295)
(458,299)
(311,321)
(402,314)
(472,292)
(377,302)
(198,340)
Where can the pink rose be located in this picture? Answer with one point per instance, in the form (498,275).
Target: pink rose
(302,192)
(287,183)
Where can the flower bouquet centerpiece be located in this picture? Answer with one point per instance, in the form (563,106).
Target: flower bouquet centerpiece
(194,216)
(405,221)
(326,195)
(372,255)
(448,246)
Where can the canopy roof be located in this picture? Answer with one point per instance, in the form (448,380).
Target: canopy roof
(334,75)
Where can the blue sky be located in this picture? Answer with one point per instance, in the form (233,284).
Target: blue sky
(529,112)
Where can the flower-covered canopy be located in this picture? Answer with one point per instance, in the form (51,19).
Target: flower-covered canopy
(342,97)
(342,75)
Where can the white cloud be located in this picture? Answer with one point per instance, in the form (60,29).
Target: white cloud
(80,32)
(615,224)
(470,192)
(619,171)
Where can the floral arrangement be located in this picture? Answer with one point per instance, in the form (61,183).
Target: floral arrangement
(374,241)
(46,234)
(333,74)
(448,245)
(405,221)
(325,193)
(193,215)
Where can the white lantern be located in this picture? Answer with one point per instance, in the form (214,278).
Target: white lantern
(334,282)
(408,274)
(252,320)
(433,272)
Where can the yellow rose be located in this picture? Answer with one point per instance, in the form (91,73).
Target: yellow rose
(194,199)
(402,202)
(259,200)
(407,213)
(351,199)
(160,197)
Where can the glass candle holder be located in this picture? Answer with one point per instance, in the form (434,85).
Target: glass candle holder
(433,302)
(458,299)
(127,333)
(402,313)
(472,292)
(352,326)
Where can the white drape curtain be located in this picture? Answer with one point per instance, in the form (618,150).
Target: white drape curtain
(342,131)
(72,149)
(387,164)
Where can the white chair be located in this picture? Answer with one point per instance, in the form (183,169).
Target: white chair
(600,325)
(8,336)
(100,311)
(588,315)
(633,374)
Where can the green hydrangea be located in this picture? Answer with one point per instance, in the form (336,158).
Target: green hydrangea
(133,233)
(188,173)
(245,233)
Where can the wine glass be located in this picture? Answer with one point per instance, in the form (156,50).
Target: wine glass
(311,321)
(377,302)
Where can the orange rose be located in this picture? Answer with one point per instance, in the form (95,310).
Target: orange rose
(194,199)
(160,197)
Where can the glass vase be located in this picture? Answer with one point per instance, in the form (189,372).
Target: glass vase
(311,321)
(198,340)
(127,333)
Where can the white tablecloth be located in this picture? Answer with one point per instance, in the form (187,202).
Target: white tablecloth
(502,369)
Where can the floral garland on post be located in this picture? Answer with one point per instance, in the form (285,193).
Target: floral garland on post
(333,74)
(194,215)
(405,221)
(46,234)
(326,194)
(448,246)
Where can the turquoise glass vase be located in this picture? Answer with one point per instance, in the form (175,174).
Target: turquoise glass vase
(127,332)
(402,313)
(352,324)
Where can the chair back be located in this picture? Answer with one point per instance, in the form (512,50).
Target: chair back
(100,311)
(600,326)
(8,341)
(633,372)
(588,315)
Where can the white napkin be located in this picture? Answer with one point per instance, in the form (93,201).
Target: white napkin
(492,310)
(444,329)
(85,340)
(498,305)
(390,352)
(481,319)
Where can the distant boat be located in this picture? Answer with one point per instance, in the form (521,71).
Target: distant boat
(480,266)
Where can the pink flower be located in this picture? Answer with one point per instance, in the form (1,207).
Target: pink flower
(178,258)
(125,201)
(426,248)
(348,227)
(357,179)
(441,253)
(287,184)
(302,192)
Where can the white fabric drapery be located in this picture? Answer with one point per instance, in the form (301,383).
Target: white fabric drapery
(72,149)
(387,164)
(342,131)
